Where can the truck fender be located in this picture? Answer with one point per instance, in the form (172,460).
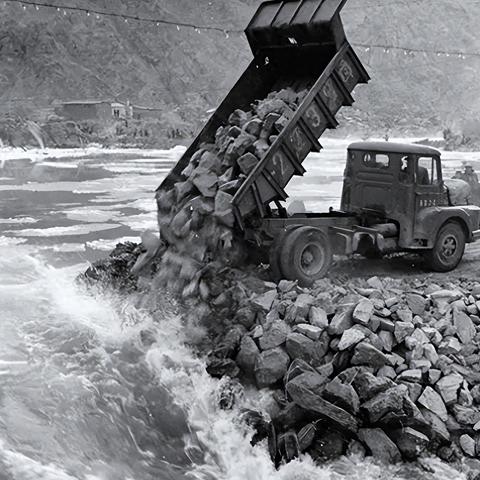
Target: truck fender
(431,220)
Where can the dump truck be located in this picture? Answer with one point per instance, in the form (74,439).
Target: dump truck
(393,198)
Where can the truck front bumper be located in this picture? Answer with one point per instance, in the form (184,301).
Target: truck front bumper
(476,235)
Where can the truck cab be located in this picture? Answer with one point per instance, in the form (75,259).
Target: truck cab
(403,184)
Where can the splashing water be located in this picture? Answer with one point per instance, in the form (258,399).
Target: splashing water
(82,398)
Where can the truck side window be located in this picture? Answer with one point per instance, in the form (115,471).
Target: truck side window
(426,173)
(372,160)
(406,169)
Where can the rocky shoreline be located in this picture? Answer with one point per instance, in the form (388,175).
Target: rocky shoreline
(382,367)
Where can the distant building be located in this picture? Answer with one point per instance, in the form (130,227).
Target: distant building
(120,110)
(85,110)
(140,113)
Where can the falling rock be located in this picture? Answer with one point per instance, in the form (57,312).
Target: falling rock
(448,388)
(375,282)
(343,395)
(363,312)
(206,182)
(432,401)
(468,445)
(341,321)
(318,317)
(403,330)
(238,118)
(310,331)
(301,392)
(351,337)
(253,127)
(287,446)
(390,401)
(368,385)
(247,354)
(410,442)
(416,303)
(264,302)
(223,208)
(274,335)
(271,366)
(465,329)
(247,162)
(380,445)
(329,444)
(366,354)
(466,415)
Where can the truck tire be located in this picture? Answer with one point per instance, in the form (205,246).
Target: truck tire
(448,249)
(306,255)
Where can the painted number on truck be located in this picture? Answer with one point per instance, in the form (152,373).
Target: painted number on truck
(331,96)
(315,119)
(299,142)
(427,202)
(345,71)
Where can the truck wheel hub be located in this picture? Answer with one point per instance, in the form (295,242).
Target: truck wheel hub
(449,246)
(312,259)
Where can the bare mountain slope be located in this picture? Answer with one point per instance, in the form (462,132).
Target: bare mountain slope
(46,56)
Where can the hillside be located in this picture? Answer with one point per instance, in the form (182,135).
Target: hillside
(47,55)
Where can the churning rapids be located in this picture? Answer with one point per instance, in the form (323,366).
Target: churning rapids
(85,392)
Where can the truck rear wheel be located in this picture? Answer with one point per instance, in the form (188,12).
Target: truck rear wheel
(306,255)
(448,249)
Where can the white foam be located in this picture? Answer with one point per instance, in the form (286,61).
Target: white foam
(63,231)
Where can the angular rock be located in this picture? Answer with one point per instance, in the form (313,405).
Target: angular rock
(300,346)
(310,331)
(468,445)
(465,329)
(430,354)
(301,392)
(410,442)
(306,436)
(366,354)
(247,162)
(238,118)
(466,415)
(403,330)
(341,321)
(368,385)
(351,337)
(405,316)
(390,401)
(387,340)
(318,317)
(448,388)
(264,302)
(363,312)
(437,428)
(416,303)
(274,335)
(414,390)
(253,127)
(343,395)
(387,371)
(432,401)
(410,376)
(450,345)
(380,445)
(434,376)
(247,355)
(303,303)
(271,366)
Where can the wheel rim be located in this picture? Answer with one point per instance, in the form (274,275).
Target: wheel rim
(449,247)
(312,259)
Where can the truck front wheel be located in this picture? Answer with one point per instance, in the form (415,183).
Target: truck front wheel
(306,255)
(448,249)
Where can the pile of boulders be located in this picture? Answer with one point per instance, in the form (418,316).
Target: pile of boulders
(195,215)
(382,367)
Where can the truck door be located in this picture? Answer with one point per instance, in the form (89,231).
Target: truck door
(429,193)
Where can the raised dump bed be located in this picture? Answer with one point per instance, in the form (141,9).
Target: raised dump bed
(298,44)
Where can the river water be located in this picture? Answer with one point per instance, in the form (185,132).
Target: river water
(83,396)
